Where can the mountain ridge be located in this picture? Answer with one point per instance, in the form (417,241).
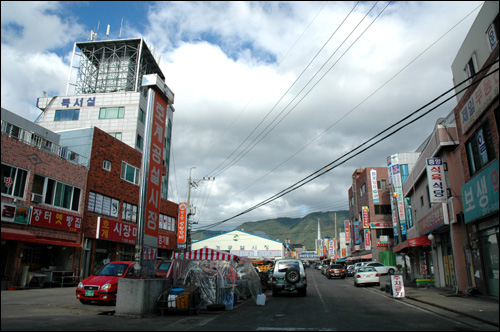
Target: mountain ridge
(300,231)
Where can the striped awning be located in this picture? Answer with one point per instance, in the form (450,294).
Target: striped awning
(209,255)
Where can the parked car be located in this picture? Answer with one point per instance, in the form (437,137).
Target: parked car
(349,271)
(323,268)
(289,275)
(383,269)
(366,275)
(162,267)
(103,285)
(335,270)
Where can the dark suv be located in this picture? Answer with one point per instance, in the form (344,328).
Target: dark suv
(289,275)
(335,270)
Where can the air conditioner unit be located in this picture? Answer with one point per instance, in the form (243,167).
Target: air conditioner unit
(36,198)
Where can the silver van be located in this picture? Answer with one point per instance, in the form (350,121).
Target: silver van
(289,275)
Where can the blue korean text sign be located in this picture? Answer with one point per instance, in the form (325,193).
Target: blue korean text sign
(480,194)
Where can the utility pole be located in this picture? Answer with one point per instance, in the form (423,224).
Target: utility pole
(336,243)
(192,183)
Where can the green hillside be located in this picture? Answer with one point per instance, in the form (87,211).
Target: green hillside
(298,230)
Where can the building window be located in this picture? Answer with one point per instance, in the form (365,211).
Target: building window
(383,209)
(106,165)
(405,172)
(480,149)
(471,68)
(103,204)
(56,193)
(13,181)
(381,184)
(67,115)
(112,112)
(139,142)
(117,135)
(363,189)
(129,212)
(142,116)
(130,173)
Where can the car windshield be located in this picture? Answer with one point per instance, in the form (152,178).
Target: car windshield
(113,270)
(336,266)
(164,266)
(283,266)
(367,269)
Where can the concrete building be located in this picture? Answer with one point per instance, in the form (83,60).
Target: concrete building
(435,231)
(105,91)
(477,119)
(244,244)
(370,215)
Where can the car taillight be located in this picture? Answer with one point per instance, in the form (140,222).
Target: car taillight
(358,276)
(304,279)
(376,274)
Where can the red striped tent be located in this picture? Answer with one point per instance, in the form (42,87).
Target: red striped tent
(209,255)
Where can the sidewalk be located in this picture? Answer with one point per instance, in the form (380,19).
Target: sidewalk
(482,308)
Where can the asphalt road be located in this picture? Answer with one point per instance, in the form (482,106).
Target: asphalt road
(330,305)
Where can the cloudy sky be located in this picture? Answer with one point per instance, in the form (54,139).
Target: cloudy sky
(266,93)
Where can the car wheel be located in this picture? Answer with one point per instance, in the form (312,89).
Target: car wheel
(391,272)
(292,276)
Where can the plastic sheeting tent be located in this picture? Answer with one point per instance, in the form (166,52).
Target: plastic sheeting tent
(221,276)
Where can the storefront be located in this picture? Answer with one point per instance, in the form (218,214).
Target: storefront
(51,241)
(481,206)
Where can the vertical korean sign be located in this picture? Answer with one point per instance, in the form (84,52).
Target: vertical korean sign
(398,287)
(182,226)
(152,166)
(435,177)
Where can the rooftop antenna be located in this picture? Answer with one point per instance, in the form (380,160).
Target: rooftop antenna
(107,31)
(121,25)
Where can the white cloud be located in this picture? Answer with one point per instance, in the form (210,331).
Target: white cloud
(229,63)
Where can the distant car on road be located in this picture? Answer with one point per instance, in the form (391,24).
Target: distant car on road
(349,271)
(335,270)
(383,269)
(103,285)
(366,275)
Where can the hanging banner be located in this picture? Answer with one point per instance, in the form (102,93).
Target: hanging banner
(436,179)
(182,224)
(366,217)
(347,231)
(373,175)
(368,242)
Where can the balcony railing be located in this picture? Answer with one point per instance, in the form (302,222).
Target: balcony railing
(41,143)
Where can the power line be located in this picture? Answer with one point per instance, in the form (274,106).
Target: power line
(337,162)
(247,149)
(358,105)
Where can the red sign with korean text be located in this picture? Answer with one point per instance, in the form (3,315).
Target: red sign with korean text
(116,231)
(163,241)
(366,217)
(155,165)
(182,223)
(58,220)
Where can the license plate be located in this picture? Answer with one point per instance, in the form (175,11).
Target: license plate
(89,293)
(368,276)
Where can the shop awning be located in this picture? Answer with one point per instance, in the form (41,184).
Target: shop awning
(27,236)
(419,241)
(368,256)
(414,242)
